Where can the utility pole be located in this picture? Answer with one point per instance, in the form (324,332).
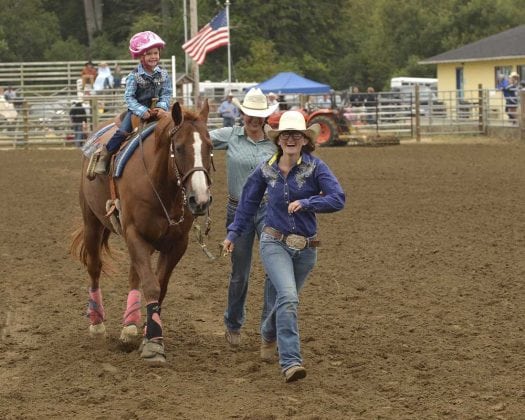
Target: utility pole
(194,66)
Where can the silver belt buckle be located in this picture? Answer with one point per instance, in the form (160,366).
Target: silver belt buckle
(296,242)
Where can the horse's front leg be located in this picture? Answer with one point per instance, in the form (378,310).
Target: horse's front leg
(140,251)
(165,265)
(131,319)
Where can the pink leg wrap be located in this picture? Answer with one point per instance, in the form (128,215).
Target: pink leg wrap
(96,312)
(132,314)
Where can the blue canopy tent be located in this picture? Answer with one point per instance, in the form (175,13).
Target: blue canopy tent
(288,82)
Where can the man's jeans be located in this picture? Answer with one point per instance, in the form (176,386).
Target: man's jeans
(228,121)
(241,260)
(287,270)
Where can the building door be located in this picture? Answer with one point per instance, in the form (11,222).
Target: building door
(459,82)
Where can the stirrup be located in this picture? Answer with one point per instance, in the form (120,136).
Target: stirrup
(113,210)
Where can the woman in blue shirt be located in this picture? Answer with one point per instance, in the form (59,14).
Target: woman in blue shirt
(298,186)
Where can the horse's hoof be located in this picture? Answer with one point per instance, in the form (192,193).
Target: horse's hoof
(97,330)
(129,333)
(152,351)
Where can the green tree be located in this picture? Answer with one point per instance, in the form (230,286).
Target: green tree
(69,50)
(29,29)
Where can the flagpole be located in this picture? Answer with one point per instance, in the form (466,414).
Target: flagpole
(229,41)
(185,12)
(195,66)
(173,77)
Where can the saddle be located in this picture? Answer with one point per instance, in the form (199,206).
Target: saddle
(92,149)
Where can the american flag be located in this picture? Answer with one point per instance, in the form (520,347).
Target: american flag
(210,37)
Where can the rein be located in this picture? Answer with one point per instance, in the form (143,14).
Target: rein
(171,222)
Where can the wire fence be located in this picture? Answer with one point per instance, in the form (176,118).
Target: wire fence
(40,115)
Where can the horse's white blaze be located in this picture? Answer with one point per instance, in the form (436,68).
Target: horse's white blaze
(198,178)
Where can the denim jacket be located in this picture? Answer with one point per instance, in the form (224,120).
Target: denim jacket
(142,87)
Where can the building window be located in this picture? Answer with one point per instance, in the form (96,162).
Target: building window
(501,73)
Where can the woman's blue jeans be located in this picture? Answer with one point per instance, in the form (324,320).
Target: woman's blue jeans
(287,269)
(241,262)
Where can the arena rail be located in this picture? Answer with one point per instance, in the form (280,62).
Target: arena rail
(46,91)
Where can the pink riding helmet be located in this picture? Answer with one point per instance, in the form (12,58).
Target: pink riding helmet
(143,41)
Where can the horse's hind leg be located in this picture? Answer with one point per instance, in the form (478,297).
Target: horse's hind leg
(94,233)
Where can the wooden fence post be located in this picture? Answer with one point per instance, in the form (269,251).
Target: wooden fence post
(481,116)
(25,119)
(522,115)
(418,116)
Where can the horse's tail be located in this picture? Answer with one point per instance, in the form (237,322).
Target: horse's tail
(78,248)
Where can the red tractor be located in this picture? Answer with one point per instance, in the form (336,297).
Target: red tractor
(335,128)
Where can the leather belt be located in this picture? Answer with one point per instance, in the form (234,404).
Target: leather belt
(293,241)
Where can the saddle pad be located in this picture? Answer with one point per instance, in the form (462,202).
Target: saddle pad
(92,143)
(123,155)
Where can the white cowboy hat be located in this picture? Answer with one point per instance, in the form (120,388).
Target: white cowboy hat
(255,104)
(293,121)
(514,74)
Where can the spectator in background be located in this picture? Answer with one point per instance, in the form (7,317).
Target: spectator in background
(78,117)
(228,111)
(357,98)
(324,101)
(104,79)
(7,110)
(357,101)
(510,92)
(371,105)
(88,74)
(10,94)
(272,99)
(117,76)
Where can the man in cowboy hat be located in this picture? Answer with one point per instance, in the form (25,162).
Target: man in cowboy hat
(246,146)
(228,111)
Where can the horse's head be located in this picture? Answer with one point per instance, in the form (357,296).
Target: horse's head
(191,153)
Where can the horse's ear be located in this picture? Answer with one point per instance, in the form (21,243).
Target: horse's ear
(176,113)
(203,114)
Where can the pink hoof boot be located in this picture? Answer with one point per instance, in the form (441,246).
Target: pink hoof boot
(132,314)
(96,312)
(131,319)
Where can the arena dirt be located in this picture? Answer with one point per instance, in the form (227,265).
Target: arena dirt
(415,309)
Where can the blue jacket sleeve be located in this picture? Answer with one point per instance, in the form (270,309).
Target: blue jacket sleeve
(332,197)
(166,92)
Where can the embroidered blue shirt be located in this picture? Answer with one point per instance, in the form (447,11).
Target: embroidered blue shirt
(311,181)
(142,87)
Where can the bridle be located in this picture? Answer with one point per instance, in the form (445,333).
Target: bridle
(181,177)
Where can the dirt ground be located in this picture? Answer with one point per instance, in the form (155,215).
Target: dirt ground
(415,309)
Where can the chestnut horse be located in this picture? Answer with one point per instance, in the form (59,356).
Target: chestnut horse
(165,183)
